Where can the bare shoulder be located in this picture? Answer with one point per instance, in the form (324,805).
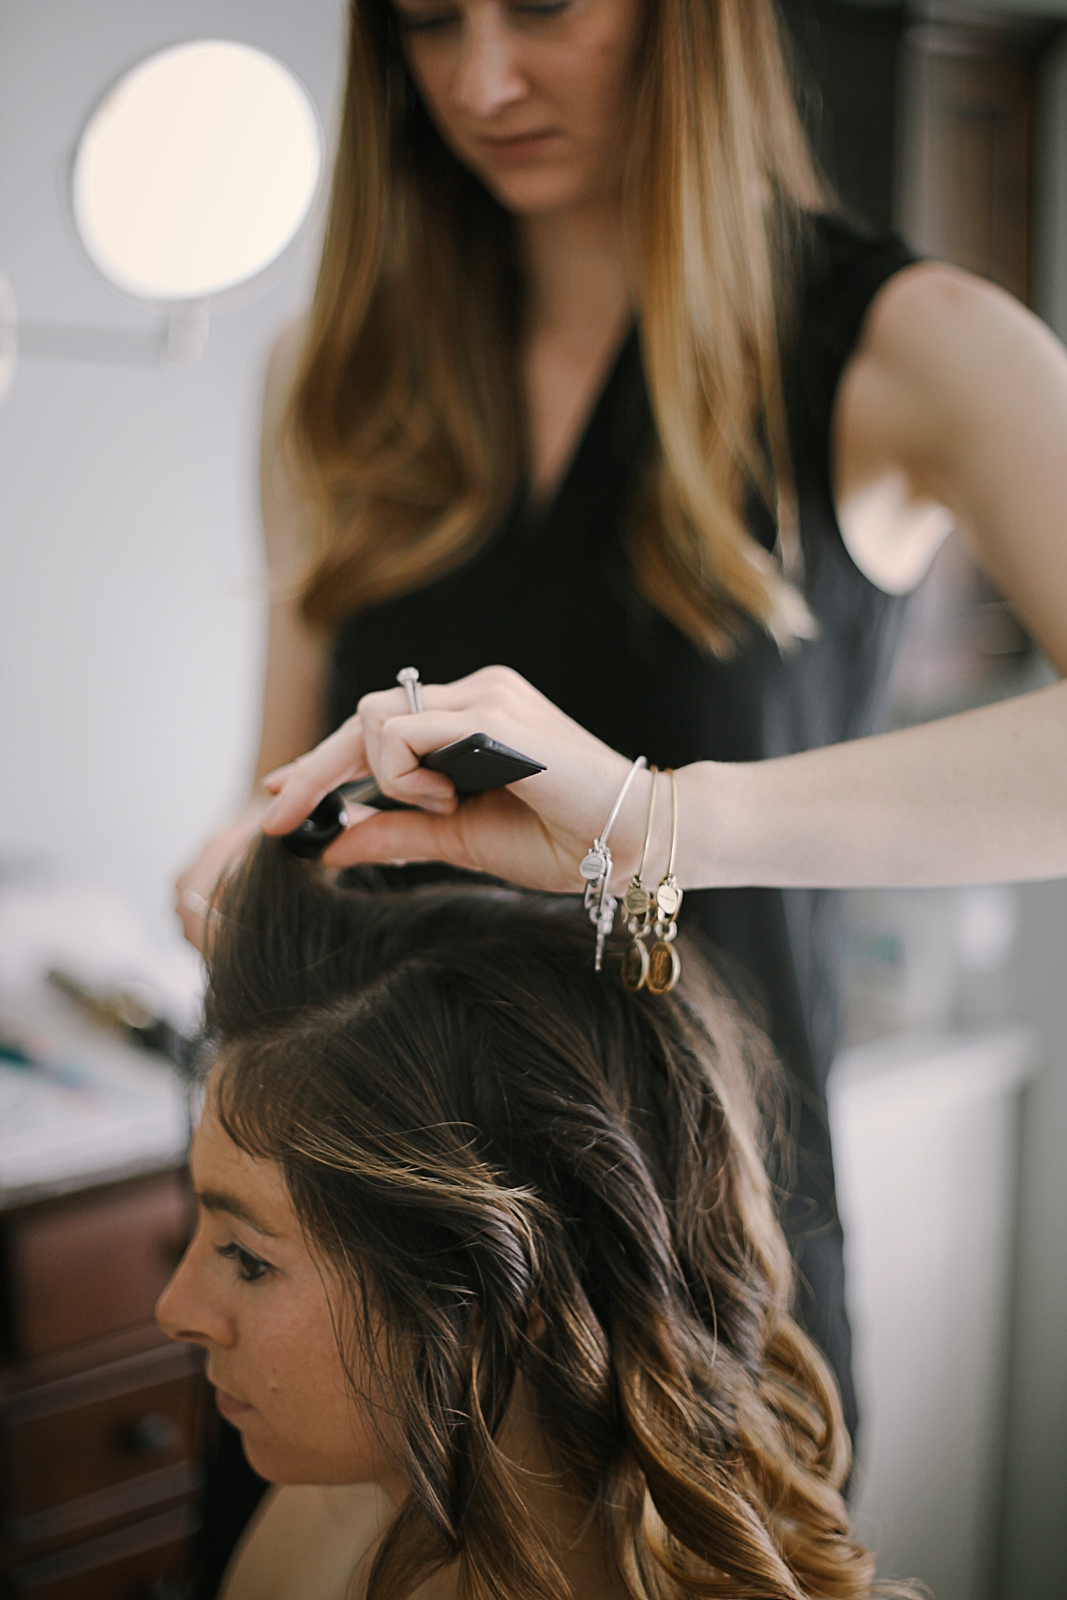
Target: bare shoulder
(942,354)
(308,1542)
(957,399)
(928,297)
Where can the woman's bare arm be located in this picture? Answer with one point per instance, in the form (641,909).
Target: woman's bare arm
(962,395)
(294,683)
(959,395)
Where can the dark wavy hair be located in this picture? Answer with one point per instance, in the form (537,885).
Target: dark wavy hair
(475,1127)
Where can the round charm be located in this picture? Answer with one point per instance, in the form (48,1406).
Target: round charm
(669,898)
(664,968)
(635,965)
(637,900)
(594,865)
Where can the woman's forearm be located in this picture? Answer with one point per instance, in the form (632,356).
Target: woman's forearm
(978,797)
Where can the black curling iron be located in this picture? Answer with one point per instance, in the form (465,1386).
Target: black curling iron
(475,765)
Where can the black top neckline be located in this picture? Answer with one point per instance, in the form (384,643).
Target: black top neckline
(541,514)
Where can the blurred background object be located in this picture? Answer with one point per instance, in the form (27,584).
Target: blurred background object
(130,625)
(188,190)
(101,1419)
(195,172)
(930,959)
(949,122)
(925,1126)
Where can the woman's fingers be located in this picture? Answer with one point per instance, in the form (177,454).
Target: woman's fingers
(274,781)
(386,738)
(533,832)
(194,890)
(300,786)
(495,833)
(355,749)
(396,837)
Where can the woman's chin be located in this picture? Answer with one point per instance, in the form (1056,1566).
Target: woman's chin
(529,192)
(265,1462)
(281,1463)
(281,1466)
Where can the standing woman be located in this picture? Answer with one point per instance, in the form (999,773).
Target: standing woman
(594,389)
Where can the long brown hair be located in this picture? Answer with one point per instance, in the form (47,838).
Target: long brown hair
(407,407)
(475,1126)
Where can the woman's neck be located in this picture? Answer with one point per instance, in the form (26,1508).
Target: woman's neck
(576,268)
(579,303)
(557,1514)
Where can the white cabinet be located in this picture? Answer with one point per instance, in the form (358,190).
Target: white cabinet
(925,1140)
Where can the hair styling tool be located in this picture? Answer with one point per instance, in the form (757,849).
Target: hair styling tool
(475,765)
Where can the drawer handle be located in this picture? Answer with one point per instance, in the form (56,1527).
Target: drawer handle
(154,1434)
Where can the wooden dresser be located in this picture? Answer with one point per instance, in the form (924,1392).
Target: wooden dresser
(101,1418)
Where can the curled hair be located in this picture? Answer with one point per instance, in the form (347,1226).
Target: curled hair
(475,1128)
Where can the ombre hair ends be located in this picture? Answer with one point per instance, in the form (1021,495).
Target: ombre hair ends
(521,1169)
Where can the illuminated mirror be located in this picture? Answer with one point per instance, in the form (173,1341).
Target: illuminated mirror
(196,171)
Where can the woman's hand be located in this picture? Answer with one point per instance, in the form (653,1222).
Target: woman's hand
(196,886)
(535,832)
(975,798)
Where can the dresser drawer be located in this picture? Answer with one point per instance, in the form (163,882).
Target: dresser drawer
(142,1562)
(82,1267)
(102,1445)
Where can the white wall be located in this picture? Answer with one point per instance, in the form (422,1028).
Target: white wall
(130,628)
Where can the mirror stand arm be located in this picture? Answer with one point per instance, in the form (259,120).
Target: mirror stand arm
(178,339)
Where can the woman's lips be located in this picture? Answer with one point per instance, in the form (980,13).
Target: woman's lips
(230,1408)
(519,147)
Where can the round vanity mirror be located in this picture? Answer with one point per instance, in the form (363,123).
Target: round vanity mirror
(196,171)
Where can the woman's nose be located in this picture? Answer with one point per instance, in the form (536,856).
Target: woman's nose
(187,1310)
(487,78)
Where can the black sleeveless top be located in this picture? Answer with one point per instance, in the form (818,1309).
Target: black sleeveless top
(552,597)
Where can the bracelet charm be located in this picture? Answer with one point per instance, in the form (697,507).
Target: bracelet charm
(664,962)
(596,863)
(638,905)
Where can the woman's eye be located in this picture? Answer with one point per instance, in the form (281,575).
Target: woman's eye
(250,1268)
(435,21)
(425,22)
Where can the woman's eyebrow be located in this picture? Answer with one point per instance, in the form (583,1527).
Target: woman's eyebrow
(214,1200)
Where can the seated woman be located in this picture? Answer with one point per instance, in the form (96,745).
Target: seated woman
(487,1266)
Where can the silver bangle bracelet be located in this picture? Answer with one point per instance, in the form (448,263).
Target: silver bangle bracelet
(596,870)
